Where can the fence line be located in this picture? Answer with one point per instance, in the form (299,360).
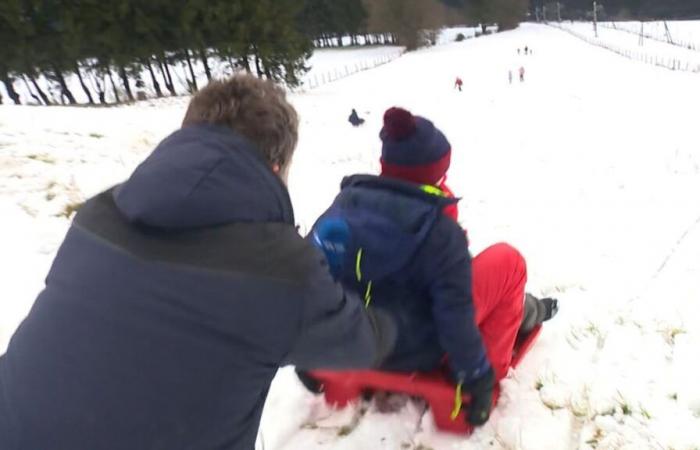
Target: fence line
(661,61)
(338,73)
(683,44)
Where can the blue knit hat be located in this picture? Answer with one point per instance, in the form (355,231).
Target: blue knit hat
(413,149)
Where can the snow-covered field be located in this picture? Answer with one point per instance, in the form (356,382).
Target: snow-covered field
(590,167)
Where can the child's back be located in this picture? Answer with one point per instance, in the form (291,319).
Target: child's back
(406,257)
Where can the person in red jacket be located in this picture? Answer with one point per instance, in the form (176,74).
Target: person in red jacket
(458,84)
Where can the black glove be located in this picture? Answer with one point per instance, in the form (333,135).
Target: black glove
(481,391)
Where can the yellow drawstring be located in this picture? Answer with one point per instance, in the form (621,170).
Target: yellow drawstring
(458,402)
(368,294)
(358,272)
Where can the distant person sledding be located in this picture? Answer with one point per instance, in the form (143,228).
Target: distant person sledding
(354,119)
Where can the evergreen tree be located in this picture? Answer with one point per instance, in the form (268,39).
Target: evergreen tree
(10,52)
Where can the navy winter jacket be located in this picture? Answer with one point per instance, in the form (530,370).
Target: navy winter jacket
(169,307)
(408,259)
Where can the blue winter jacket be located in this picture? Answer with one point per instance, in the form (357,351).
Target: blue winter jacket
(169,307)
(398,251)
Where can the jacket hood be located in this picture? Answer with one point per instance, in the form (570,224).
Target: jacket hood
(389,220)
(201,176)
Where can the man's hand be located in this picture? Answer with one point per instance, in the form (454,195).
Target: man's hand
(481,391)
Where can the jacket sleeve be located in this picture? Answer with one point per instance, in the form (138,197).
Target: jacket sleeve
(337,332)
(449,284)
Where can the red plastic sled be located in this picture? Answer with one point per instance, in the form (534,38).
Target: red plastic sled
(340,388)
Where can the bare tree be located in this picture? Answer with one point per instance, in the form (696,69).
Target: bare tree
(407,20)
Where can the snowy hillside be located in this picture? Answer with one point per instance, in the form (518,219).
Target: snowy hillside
(590,167)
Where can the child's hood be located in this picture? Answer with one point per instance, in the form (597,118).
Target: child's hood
(388,221)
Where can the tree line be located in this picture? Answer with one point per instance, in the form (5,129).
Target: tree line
(116,48)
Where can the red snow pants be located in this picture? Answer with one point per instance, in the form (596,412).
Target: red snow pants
(499,274)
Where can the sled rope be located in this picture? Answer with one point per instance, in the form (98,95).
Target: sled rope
(458,402)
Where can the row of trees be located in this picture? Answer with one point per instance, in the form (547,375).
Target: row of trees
(99,41)
(116,48)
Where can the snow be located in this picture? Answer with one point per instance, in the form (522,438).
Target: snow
(590,168)
(449,35)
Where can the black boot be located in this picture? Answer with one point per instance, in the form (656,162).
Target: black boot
(537,311)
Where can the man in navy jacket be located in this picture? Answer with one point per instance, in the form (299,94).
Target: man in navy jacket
(177,294)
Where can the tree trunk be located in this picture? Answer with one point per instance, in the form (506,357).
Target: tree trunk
(64,87)
(162,71)
(165,72)
(257,62)
(99,87)
(171,86)
(29,89)
(114,86)
(193,83)
(156,85)
(125,82)
(246,63)
(41,93)
(83,85)
(7,81)
(205,61)
(339,38)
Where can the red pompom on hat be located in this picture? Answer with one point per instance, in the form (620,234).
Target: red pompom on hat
(399,123)
(413,149)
